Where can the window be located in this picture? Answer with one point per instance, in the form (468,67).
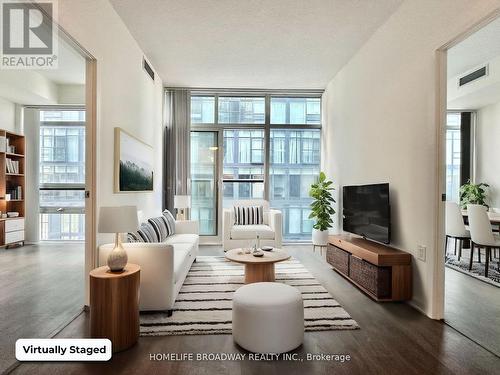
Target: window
(280,168)
(62,175)
(453,156)
(291,180)
(202,109)
(238,110)
(243,165)
(296,111)
(203,181)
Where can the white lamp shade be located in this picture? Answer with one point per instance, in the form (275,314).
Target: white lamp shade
(118,219)
(182,201)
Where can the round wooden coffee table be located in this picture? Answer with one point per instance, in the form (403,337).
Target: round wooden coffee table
(258,269)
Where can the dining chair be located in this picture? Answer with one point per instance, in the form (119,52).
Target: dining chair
(455,227)
(481,233)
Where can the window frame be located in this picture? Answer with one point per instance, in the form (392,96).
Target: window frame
(266,127)
(61,186)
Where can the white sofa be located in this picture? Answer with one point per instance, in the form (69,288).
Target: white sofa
(270,232)
(164,266)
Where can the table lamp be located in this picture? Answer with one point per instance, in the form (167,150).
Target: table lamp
(118,220)
(181,202)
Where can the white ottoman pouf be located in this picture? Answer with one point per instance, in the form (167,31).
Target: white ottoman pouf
(268,317)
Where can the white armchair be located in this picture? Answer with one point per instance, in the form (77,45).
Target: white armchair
(270,232)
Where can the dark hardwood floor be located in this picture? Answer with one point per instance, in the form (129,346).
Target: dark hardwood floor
(42,289)
(393,339)
(473,308)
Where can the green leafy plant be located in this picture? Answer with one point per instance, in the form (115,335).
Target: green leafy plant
(473,194)
(321,207)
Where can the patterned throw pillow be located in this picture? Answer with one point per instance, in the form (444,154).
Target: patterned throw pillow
(160,226)
(147,233)
(134,237)
(169,218)
(248,215)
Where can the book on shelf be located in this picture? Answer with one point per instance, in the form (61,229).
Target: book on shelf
(16,193)
(7,147)
(12,166)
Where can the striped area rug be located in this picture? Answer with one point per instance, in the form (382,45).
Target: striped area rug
(203,305)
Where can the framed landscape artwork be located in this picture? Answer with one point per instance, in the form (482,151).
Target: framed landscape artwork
(133,163)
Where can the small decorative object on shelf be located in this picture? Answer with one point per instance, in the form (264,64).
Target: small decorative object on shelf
(118,220)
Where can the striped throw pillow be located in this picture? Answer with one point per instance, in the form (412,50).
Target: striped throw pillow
(248,215)
(134,237)
(147,233)
(169,219)
(159,224)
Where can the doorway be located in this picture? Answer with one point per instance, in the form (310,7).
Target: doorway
(470,176)
(43,272)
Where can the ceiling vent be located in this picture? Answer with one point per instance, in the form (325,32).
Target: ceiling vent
(148,69)
(476,74)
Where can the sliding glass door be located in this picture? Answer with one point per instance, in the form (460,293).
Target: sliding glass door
(204,202)
(268,147)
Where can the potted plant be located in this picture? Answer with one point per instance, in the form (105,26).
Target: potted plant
(473,194)
(321,209)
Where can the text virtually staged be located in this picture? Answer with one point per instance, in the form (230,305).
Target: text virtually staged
(249,187)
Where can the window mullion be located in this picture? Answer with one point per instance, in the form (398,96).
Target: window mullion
(267,147)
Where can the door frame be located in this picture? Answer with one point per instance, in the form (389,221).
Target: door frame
(438,299)
(90,156)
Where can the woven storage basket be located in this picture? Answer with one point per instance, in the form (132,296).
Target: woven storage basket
(376,280)
(338,258)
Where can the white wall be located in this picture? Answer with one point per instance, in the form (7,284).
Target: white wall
(7,115)
(126,96)
(381,122)
(71,94)
(27,87)
(488,151)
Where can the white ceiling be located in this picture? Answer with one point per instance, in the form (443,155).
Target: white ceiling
(251,43)
(480,47)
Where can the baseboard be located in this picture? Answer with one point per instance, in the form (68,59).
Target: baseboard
(419,309)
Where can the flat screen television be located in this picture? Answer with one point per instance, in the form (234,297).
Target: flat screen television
(367,211)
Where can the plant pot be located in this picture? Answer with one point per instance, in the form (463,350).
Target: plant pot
(320,237)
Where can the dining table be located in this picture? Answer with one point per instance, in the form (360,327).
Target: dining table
(493,216)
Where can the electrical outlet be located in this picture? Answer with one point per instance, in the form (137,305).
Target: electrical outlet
(421,252)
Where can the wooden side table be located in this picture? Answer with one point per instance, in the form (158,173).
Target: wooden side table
(114,305)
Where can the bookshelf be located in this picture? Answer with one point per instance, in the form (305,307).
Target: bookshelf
(12,187)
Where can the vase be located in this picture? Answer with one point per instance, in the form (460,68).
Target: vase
(117,258)
(320,237)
